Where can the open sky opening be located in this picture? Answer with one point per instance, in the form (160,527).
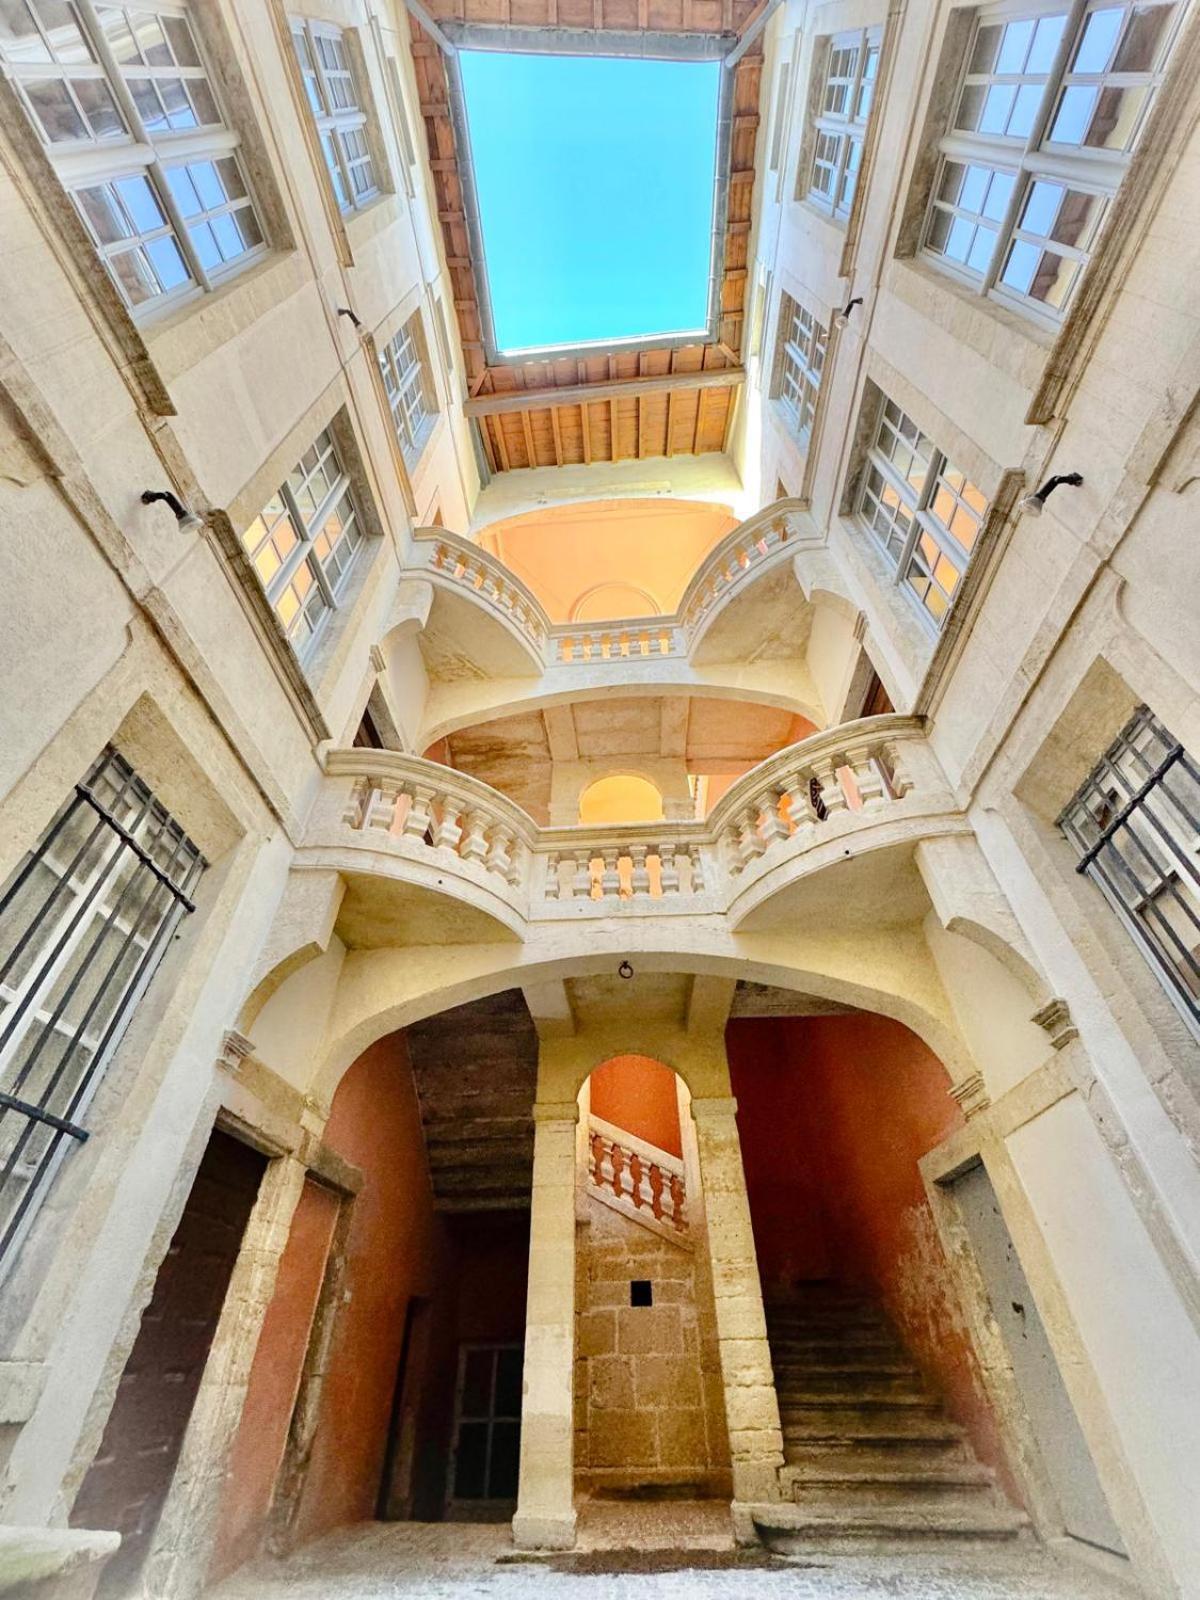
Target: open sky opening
(595,178)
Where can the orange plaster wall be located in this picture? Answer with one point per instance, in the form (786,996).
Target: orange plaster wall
(274,1380)
(375,1124)
(639,1095)
(834,1114)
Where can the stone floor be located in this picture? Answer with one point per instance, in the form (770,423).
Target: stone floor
(440,1561)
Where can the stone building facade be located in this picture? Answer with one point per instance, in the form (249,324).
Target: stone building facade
(317,923)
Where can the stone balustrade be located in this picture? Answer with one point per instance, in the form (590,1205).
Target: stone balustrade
(639,640)
(636,1177)
(450,559)
(819,792)
(760,541)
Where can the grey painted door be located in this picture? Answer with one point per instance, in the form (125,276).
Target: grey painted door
(1051,1414)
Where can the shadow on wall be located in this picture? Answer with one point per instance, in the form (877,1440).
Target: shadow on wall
(834,1114)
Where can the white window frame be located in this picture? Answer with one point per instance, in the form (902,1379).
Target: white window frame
(337,124)
(920,539)
(998,204)
(122,872)
(800,363)
(844,128)
(92,163)
(405,367)
(327,579)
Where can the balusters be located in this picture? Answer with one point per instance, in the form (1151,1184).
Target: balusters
(639,877)
(447,830)
(581,883)
(355,810)
(416,823)
(474,846)
(833,796)
(381,808)
(867,779)
(610,878)
(797,793)
(745,838)
(669,871)
(773,825)
(676,1188)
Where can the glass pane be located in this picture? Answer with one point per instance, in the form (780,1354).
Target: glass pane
(470,1461)
(1095,47)
(167,262)
(20,40)
(1139,43)
(477,1383)
(141,204)
(509,1366)
(55,111)
(96,99)
(134,276)
(103,214)
(506,1458)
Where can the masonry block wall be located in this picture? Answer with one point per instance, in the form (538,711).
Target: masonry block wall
(648,1398)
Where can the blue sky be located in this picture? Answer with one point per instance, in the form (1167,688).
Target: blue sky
(595,185)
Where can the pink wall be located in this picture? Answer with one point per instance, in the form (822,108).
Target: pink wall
(274,1380)
(834,1114)
(375,1124)
(639,1095)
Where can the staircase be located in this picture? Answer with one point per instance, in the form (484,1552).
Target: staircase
(870,1453)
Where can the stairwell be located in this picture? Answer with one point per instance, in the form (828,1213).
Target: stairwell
(870,1453)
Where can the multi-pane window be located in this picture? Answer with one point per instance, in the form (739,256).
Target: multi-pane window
(338,111)
(406,383)
(1049,109)
(84,920)
(925,512)
(802,342)
(123,102)
(840,126)
(304,542)
(1136,825)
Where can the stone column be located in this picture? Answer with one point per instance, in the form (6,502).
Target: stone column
(545,1518)
(751,1408)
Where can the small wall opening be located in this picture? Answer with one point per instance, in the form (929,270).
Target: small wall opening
(620,798)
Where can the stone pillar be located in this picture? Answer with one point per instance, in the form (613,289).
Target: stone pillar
(751,1408)
(545,1518)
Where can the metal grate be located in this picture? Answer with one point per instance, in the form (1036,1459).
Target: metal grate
(84,921)
(1136,826)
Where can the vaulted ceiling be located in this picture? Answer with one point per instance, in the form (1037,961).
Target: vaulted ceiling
(600,406)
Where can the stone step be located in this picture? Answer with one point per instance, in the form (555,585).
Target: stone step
(863,1383)
(825,1468)
(791,1529)
(803,1399)
(846,1426)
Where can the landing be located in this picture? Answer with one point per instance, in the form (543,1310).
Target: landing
(439,1561)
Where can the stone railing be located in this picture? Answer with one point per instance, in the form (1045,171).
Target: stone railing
(756,544)
(760,542)
(447,558)
(636,1178)
(811,798)
(640,639)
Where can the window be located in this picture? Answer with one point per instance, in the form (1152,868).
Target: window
(923,511)
(1136,825)
(802,342)
(840,124)
(779,126)
(1050,107)
(304,543)
(123,102)
(406,384)
(84,921)
(336,105)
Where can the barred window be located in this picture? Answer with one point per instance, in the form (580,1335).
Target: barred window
(84,921)
(125,106)
(924,512)
(840,125)
(1136,826)
(304,542)
(406,383)
(801,357)
(1048,112)
(337,108)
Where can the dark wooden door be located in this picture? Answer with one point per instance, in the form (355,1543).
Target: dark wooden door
(127,1482)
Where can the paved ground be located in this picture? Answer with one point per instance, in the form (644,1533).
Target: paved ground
(440,1561)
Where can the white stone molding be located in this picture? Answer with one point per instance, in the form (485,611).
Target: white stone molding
(1055,1018)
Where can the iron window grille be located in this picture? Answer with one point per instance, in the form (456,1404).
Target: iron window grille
(304,542)
(840,125)
(122,100)
(1135,824)
(924,512)
(802,347)
(1049,108)
(405,382)
(84,921)
(337,109)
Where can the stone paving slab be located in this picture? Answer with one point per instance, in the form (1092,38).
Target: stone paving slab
(441,1561)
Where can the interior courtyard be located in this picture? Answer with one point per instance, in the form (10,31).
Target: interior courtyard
(600,799)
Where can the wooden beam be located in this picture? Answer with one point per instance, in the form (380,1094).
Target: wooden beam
(527,431)
(557,431)
(587,435)
(501,447)
(490,405)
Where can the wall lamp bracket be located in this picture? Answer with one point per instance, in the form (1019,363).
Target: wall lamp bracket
(188,521)
(1034,504)
(842,317)
(345,311)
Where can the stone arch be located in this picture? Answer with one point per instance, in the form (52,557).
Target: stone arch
(642,795)
(653,608)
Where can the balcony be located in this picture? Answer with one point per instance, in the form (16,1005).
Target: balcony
(869,785)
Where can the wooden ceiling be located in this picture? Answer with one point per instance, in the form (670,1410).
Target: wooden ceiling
(630,404)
